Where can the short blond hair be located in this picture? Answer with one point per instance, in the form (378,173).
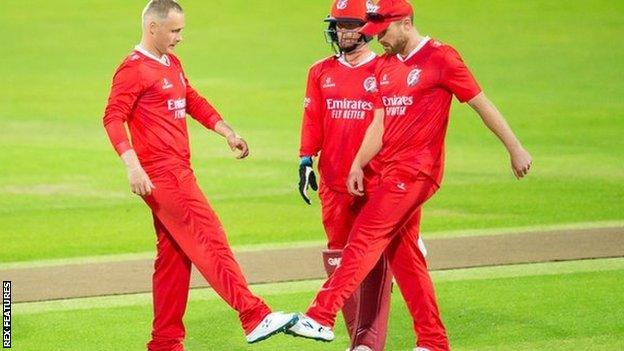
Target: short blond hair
(160,8)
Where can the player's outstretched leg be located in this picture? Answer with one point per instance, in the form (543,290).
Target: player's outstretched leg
(331,259)
(182,208)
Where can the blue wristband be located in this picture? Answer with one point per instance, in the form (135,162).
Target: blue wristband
(305,161)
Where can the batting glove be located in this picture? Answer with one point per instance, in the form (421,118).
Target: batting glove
(307,178)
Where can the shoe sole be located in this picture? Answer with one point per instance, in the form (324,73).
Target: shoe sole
(293,334)
(281,329)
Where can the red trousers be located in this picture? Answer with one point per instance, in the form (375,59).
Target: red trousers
(394,204)
(189,231)
(339,211)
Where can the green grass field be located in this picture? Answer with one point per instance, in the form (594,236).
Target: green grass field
(553,307)
(551,67)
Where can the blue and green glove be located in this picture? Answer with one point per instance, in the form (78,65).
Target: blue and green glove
(307,178)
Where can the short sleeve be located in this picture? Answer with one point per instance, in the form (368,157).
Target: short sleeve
(457,78)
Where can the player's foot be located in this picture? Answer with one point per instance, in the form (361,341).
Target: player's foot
(362,348)
(272,324)
(421,349)
(307,327)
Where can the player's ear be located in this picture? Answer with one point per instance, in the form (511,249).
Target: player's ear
(406,23)
(152,27)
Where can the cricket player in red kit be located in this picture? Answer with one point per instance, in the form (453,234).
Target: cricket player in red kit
(151,94)
(416,80)
(339,106)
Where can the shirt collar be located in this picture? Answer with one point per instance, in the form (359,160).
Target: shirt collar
(342,60)
(164,59)
(418,47)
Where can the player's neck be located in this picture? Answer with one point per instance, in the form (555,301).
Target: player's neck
(145,45)
(358,55)
(413,41)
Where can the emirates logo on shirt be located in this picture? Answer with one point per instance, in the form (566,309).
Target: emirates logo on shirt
(370,84)
(178,106)
(413,77)
(396,106)
(348,109)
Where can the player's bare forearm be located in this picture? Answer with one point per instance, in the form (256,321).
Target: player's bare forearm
(130,159)
(371,144)
(234,140)
(494,120)
(223,129)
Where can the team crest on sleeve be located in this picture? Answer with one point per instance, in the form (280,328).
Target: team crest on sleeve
(370,84)
(342,4)
(413,77)
(306,102)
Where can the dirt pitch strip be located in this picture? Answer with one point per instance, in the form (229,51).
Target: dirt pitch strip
(304,263)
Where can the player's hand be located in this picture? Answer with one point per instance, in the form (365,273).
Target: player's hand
(237,143)
(520,162)
(140,183)
(355,181)
(307,178)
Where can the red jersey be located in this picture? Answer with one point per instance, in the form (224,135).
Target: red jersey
(339,106)
(416,94)
(152,95)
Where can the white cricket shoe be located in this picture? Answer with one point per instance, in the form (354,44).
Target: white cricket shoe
(362,348)
(272,324)
(307,327)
